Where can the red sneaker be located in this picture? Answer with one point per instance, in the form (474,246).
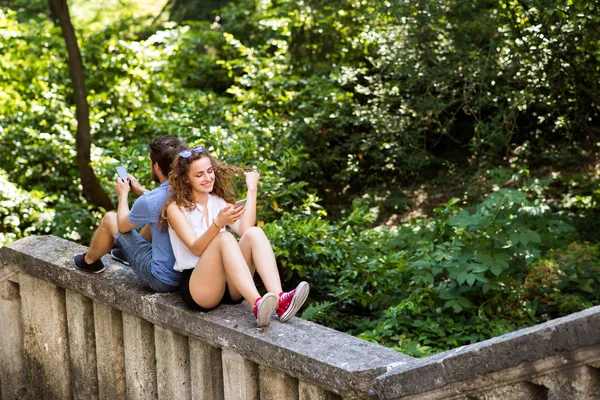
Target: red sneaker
(263,308)
(290,302)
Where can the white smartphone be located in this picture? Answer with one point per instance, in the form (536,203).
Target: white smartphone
(122,173)
(239,203)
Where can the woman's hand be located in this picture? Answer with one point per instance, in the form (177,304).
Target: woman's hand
(229,215)
(252,178)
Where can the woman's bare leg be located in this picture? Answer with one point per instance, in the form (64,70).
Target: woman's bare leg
(221,261)
(259,256)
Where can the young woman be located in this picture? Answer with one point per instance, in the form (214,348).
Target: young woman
(216,267)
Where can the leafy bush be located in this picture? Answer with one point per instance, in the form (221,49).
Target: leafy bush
(22,213)
(432,284)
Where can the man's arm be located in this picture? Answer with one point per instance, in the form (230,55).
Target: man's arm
(123,223)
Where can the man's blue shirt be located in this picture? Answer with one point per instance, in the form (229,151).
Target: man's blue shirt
(146,210)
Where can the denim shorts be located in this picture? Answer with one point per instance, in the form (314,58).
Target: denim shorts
(138,252)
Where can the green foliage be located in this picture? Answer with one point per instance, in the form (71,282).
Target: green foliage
(348,108)
(21,213)
(432,284)
(564,282)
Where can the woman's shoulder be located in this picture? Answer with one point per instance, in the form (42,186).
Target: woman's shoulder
(173,207)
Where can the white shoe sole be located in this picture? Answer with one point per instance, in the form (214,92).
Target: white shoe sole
(268,304)
(297,301)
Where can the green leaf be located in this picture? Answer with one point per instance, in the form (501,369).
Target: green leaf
(461,278)
(586,285)
(496,269)
(470,279)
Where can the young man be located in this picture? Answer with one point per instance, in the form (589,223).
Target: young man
(152,258)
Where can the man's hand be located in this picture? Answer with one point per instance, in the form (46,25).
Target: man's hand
(136,187)
(122,187)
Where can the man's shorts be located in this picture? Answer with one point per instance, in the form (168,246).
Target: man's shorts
(138,252)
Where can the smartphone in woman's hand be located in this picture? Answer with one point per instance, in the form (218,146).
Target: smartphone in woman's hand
(239,203)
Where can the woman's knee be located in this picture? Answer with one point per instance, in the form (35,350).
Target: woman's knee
(225,238)
(254,233)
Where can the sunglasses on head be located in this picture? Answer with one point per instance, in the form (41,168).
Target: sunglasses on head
(188,153)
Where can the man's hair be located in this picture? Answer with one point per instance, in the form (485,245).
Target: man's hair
(163,150)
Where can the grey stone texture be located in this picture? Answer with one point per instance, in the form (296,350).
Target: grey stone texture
(308,391)
(516,391)
(275,385)
(12,379)
(240,377)
(110,354)
(206,370)
(172,364)
(58,324)
(581,383)
(140,359)
(45,339)
(82,346)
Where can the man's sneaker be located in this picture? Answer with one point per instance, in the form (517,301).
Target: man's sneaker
(118,255)
(290,302)
(263,308)
(79,261)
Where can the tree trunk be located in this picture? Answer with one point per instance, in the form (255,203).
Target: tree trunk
(92,189)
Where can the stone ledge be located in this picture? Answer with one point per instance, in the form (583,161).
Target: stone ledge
(331,359)
(523,347)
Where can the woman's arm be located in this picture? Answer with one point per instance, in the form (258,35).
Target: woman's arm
(248,219)
(186,233)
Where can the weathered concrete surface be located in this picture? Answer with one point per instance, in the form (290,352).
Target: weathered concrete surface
(582,383)
(12,380)
(240,377)
(82,346)
(109,352)
(518,355)
(308,391)
(555,360)
(206,371)
(516,391)
(172,365)
(275,385)
(304,350)
(140,365)
(45,339)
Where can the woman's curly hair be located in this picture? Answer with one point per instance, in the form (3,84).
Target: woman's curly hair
(180,189)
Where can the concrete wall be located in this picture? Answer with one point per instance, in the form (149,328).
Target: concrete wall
(68,334)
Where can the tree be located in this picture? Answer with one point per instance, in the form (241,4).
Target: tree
(91,185)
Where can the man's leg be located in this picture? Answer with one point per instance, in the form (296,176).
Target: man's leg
(103,238)
(139,254)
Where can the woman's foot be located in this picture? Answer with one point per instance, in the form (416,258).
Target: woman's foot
(290,302)
(263,308)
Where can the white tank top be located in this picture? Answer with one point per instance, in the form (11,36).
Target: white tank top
(184,258)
